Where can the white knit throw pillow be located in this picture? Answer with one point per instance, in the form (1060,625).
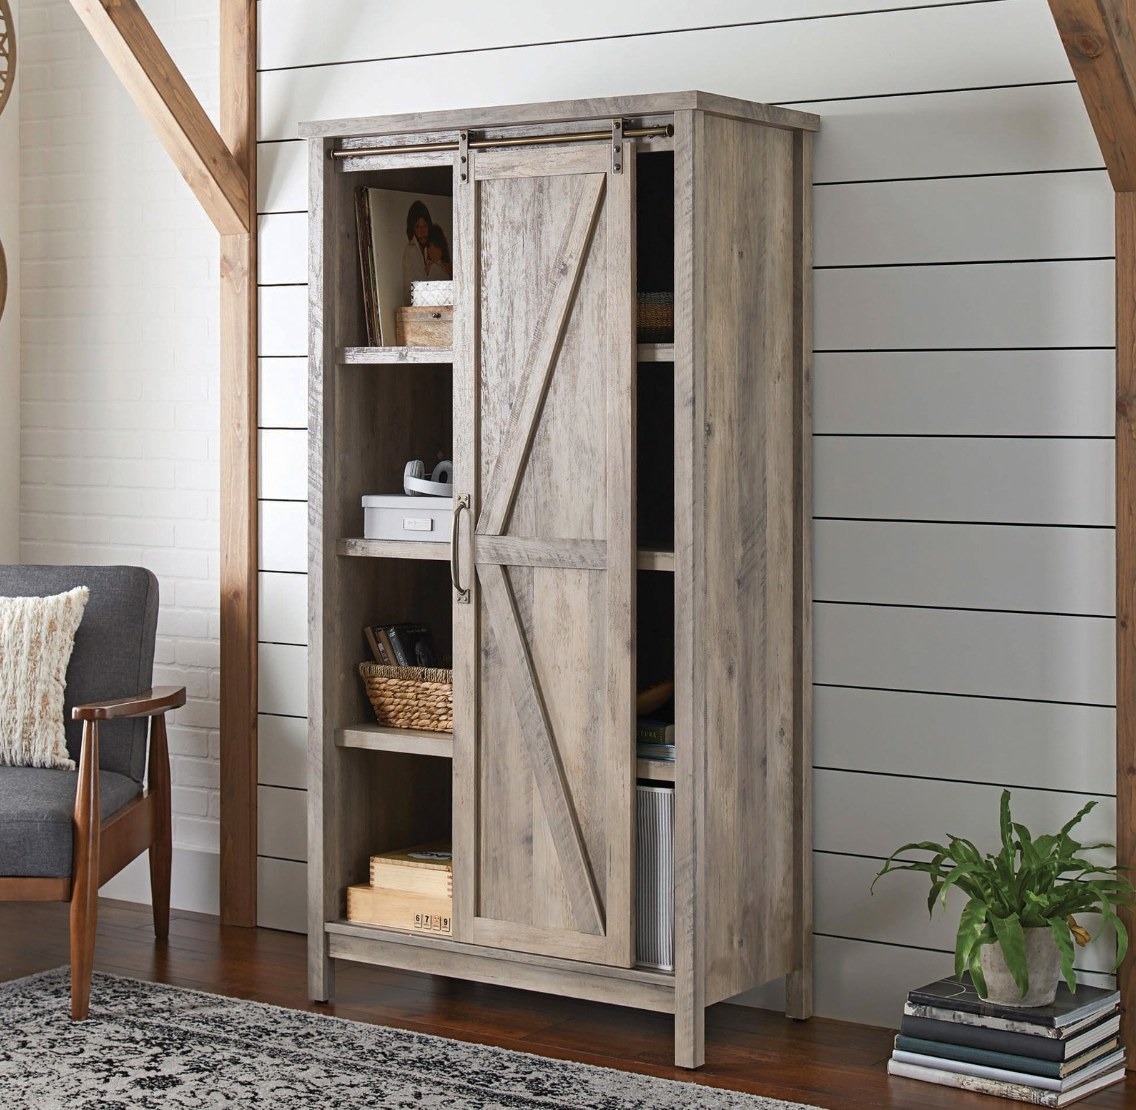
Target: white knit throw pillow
(36,638)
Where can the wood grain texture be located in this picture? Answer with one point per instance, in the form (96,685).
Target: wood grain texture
(398,356)
(572,978)
(161,93)
(1097,36)
(85,873)
(159,790)
(355,546)
(745,525)
(551,342)
(18,889)
(1126,576)
(562,111)
(325,227)
(690,909)
(507,550)
(377,738)
(239,479)
(544,348)
(363,425)
(799,981)
(543,752)
(467,752)
(148,704)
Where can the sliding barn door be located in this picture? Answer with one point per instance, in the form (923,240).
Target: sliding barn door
(544,647)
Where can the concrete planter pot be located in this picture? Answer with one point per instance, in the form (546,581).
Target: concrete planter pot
(1043,963)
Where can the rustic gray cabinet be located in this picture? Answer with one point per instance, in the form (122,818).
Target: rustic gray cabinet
(624,512)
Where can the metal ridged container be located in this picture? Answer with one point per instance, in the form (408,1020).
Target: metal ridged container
(654,885)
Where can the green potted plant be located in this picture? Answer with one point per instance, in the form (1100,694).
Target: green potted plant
(1018,928)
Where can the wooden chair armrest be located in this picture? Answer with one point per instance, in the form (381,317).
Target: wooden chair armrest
(147,704)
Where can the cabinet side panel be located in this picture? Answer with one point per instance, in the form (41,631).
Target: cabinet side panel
(745,526)
(690,773)
(320,895)
(799,985)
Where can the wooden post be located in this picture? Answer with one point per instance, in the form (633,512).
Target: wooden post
(220,168)
(1098,37)
(238,481)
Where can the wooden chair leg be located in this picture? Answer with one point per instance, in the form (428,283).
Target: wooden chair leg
(161,847)
(85,873)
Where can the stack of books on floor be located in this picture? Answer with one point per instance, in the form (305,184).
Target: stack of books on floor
(1047,1056)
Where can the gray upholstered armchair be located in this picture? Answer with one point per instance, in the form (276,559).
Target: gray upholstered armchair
(63,834)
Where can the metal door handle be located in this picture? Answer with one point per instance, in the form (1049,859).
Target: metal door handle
(460,503)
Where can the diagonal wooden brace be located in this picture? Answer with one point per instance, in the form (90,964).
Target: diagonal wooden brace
(156,85)
(1097,36)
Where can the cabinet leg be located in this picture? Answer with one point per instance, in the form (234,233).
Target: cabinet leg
(321,968)
(690,1038)
(799,994)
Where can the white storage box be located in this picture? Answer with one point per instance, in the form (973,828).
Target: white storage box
(395,516)
(431,292)
(654,870)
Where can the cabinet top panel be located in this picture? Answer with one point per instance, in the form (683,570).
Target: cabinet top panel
(564,111)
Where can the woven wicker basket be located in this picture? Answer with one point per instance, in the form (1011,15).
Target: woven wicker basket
(655,318)
(410,697)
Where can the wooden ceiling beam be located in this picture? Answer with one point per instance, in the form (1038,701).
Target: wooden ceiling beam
(1097,36)
(156,85)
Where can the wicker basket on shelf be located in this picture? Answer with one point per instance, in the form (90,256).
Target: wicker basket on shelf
(655,318)
(410,697)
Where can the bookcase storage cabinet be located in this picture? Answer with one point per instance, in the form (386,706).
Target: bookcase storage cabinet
(624,513)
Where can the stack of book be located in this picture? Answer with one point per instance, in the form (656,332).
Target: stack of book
(401,645)
(1047,1056)
(655,739)
(411,889)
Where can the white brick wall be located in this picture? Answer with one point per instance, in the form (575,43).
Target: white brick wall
(120,375)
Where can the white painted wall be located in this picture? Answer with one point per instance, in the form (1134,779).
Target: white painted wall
(120,374)
(963,450)
(10,318)
(964,533)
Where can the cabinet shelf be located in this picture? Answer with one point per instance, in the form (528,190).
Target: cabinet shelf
(656,352)
(411,741)
(655,558)
(655,770)
(393,356)
(392,549)
(412,356)
(649,558)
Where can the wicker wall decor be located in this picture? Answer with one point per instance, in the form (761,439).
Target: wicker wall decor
(7,77)
(7,53)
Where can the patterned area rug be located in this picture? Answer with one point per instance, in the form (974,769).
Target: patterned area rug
(148,1045)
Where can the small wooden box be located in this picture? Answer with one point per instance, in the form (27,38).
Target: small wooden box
(400,909)
(424,326)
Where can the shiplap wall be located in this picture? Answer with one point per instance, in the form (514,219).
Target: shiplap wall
(10,322)
(963,433)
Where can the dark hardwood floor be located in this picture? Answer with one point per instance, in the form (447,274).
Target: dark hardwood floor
(823,1063)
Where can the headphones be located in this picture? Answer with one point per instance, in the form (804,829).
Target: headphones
(439,484)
